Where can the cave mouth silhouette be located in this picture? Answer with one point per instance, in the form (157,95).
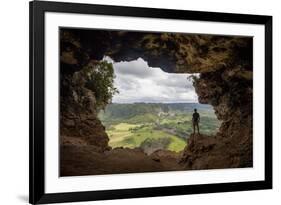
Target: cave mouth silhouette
(173,97)
(226,70)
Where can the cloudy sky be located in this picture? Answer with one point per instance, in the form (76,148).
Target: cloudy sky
(137,82)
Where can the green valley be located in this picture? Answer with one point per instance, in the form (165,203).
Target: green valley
(153,126)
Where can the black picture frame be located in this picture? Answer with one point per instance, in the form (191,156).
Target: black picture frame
(37,102)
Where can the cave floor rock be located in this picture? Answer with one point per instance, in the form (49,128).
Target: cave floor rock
(202,152)
(78,160)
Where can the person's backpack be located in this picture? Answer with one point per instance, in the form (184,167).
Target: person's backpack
(195,117)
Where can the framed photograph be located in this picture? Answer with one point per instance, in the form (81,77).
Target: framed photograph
(139,102)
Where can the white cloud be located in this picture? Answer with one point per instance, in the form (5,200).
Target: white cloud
(137,82)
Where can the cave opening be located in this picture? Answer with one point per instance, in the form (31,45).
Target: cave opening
(152,109)
(221,68)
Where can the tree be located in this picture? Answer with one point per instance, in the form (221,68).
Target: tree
(101,81)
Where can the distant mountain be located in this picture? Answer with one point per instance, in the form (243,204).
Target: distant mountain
(126,111)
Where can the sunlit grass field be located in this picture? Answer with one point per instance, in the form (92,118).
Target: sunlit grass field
(151,127)
(120,135)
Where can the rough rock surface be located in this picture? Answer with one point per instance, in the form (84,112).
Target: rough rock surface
(88,160)
(225,67)
(212,152)
(78,113)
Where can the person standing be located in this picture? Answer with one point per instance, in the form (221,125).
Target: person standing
(195,121)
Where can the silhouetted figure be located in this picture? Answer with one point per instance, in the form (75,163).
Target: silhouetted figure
(195,121)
